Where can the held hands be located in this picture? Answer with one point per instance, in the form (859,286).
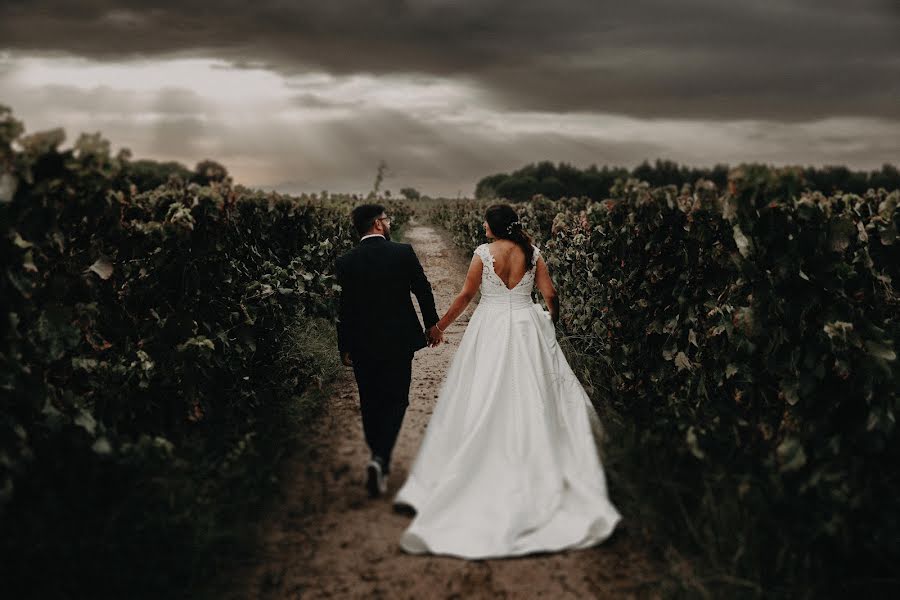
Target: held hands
(435,336)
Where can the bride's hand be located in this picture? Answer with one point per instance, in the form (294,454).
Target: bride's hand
(435,336)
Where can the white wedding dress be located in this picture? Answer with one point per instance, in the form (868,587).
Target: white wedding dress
(508,464)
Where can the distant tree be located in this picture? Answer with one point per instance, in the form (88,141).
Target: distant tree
(718,175)
(410,193)
(551,188)
(150,174)
(644,172)
(379,178)
(518,189)
(564,180)
(888,178)
(487,186)
(543,170)
(207,171)
(571,179)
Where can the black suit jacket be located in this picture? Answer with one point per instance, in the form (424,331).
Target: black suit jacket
(376,314)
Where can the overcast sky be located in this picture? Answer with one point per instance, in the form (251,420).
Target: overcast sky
(305,96)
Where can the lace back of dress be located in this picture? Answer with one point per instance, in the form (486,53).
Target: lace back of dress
(492,284)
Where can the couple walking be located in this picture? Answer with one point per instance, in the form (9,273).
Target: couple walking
(509,463)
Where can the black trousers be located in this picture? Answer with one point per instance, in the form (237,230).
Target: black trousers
(383,383)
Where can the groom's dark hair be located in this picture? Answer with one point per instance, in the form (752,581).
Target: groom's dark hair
(364,216)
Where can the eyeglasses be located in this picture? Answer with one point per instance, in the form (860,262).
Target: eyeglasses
(385,219)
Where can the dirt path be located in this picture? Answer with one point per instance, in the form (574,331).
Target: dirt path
(329,540)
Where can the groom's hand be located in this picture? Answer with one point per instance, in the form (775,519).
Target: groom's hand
(346,359)
(435,336)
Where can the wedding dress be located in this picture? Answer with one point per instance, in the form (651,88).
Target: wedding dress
(508,464)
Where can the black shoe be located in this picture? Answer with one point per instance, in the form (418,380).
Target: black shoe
(375,482)
(404,509)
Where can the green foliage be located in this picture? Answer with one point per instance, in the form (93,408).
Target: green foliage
(410,193)
(149,174)
(743,346)
(158,342)
(563,180)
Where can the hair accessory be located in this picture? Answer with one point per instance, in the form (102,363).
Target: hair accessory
(509,229)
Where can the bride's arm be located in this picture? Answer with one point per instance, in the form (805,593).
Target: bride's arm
(469,289)
(544,284)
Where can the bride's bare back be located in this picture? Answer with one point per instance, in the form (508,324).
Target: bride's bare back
(509,262)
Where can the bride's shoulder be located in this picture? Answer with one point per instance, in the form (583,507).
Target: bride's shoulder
(482,252)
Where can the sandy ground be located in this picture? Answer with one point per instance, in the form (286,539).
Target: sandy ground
(328,539)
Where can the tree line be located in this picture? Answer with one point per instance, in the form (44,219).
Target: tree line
(563,180)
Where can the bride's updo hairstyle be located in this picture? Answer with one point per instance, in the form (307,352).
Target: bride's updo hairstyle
(505,225)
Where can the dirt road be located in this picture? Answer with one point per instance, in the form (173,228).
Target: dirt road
(329,540)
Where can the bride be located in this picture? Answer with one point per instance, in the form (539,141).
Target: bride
(509,463)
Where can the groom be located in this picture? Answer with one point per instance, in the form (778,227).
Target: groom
(378,331)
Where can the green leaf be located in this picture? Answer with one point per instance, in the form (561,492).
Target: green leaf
(102,446)
(86,364)
(790,392)
(28,262)
(102,267)
(744,245)
(200,342)
(790,454)
(682,362)
(86,420)
(8,186)
(880,350)
(692,443)
(19,242)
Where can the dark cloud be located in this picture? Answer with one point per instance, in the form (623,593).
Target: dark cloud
(103,101)
(338,148)
(460,89)
(788,60)
(311,100)
(431,157)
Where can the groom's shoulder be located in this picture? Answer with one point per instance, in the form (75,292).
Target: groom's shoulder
(359,252)
(401,246)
